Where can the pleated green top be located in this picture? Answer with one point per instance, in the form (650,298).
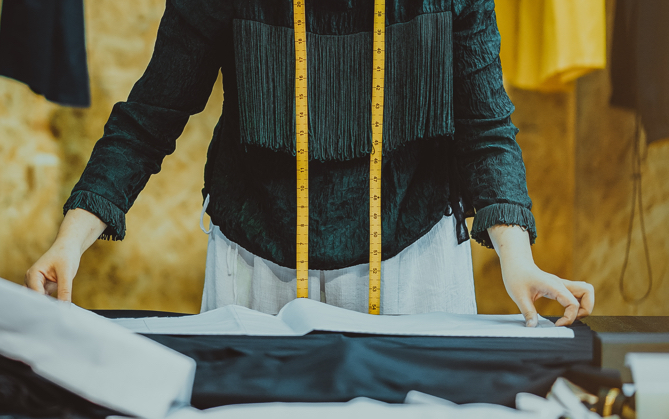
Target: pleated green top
(449,144)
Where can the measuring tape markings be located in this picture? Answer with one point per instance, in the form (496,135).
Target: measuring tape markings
(302,149)
(302,153)
(378,65)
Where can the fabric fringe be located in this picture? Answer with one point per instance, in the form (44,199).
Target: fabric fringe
(506,214)
(418,80)
(418,87)
(109,213)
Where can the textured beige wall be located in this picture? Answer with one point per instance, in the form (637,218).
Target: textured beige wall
(44,148)
(604,203)
(604,167)
(577,153)
(30,171)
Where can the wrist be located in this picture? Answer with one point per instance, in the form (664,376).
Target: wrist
(512,244)
(516,258)
(69,244)
(79,230)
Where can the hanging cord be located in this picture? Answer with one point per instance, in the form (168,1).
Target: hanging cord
(636,197)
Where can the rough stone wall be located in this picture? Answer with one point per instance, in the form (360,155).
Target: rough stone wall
(576,148)
(604,204)
(30,173)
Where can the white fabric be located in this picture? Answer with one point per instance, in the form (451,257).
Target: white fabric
(360,407)
(91,356)
(433,274)
(302,316)
(651,379)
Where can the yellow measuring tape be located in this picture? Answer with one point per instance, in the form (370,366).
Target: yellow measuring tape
(302,149)
(378,64)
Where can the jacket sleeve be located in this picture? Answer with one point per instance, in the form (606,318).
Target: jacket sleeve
(491,164)
(142,130)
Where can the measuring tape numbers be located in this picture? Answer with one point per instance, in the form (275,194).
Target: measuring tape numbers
(302,149)
(302,153)
(378,64)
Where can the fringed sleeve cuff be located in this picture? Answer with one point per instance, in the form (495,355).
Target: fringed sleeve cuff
(106,211)
(505,214)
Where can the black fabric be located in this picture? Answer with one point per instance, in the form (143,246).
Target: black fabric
(42,44)
(640,63)
(24,393)
(335,367)
(131,314)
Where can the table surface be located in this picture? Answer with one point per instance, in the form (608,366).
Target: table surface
(628,324)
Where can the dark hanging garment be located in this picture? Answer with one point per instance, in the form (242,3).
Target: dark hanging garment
(640,63)
(42,44)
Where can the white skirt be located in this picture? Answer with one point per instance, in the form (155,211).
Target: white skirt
(432,274)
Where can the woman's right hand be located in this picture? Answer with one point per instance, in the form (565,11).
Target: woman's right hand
(55,270)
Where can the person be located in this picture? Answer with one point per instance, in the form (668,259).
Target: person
(449,152)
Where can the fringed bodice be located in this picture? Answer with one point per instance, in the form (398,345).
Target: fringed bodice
(418,86)
(449,144)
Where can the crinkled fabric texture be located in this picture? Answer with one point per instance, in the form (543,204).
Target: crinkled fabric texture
(23,393)
(474,166)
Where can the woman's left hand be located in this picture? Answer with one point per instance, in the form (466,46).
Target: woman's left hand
(526,283)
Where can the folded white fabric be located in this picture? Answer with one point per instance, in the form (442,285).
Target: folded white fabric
(92,357)
(357,408)
(561,402)
(651,379)
(303,315)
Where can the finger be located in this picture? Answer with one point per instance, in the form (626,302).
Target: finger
(585,293)
(526,307)
(65,289)
(35,281)
(50,287)
(570,304)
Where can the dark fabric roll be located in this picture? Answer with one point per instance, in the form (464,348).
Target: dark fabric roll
(335,367)
(25,394)
(640,63)
(42,44)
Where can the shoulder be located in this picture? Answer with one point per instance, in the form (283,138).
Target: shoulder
(209,17)
(462,8)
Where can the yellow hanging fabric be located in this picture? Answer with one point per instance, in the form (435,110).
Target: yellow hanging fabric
(547,44)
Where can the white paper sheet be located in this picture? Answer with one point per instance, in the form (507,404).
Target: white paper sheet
(91,356)
(229,320)
(302,316)
(650,372)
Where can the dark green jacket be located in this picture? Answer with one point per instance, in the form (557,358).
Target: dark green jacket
(449,144)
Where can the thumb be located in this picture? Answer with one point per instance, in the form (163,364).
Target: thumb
(65,288)
(35,280)
(526,307)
